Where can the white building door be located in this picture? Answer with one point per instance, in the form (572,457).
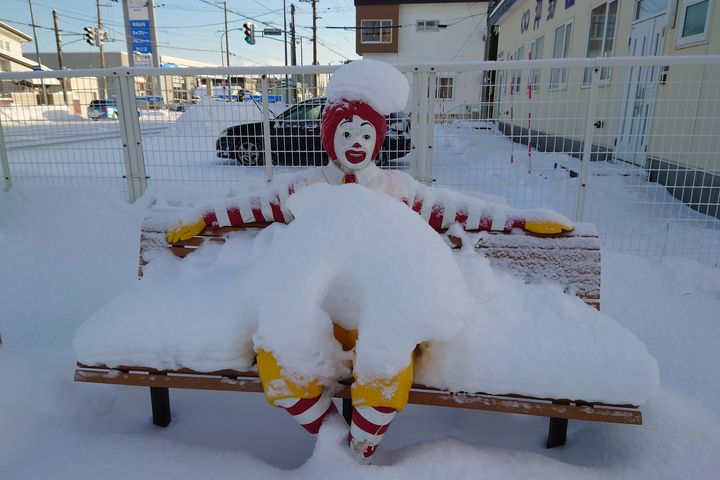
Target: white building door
(646,39)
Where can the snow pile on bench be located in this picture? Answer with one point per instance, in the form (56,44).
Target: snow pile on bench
(360,257)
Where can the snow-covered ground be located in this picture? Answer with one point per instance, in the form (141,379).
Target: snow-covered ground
(66,252)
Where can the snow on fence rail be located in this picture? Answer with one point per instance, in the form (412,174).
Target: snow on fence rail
(630,144)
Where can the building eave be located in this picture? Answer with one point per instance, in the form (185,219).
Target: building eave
(16,32)
(502,9)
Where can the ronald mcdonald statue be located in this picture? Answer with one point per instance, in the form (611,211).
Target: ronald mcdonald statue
(359,97)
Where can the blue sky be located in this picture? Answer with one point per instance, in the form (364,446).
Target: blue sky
(192,28)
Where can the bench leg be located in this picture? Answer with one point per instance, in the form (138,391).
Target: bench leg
(347,409)
(557,433)
(160,399)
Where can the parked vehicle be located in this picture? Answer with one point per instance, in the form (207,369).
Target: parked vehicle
(295,138)
(179,105)
(103,109)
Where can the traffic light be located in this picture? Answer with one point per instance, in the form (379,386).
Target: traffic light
(90,38)
(249,32)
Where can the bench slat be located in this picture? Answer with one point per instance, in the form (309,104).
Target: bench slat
(419,395)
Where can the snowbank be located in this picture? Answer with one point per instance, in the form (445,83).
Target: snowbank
(37,114)
(352,255)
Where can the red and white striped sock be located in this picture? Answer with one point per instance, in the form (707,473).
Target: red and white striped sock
(368,426)
(309,412)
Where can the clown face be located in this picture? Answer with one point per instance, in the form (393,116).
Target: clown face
(354,142)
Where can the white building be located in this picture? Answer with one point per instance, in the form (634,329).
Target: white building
(433,31)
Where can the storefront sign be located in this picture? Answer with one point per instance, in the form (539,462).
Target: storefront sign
(525,20)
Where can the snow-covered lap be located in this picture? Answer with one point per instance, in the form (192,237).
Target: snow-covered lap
(368,262)
(364,259)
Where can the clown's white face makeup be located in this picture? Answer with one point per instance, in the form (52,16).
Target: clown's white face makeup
(354,142)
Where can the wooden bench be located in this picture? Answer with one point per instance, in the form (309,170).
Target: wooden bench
(572,260)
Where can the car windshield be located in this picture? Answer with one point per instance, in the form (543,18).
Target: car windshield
(308,112)
(101,103)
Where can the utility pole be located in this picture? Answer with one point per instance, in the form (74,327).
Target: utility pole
(228,95)
(37,52)
(293,52)
(285,47)
(58,44)
(314,29)
(285,30)
(103,94)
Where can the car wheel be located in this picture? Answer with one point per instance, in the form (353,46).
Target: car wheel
(115,115)
(248,154)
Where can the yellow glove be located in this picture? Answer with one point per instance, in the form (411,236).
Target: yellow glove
(182,232)
(546,228)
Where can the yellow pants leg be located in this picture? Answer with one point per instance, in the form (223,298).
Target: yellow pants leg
(386,392)
(278,386)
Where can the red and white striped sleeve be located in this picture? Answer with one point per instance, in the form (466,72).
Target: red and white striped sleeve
(252,208)
(442,208)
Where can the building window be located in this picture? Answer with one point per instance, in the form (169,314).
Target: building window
(376,31)
(536,53)
(561,49)
(516,75)
(650,8)
(445,87)
(5,45)
(601,38)
(428,25)
(501,85)
(694,19)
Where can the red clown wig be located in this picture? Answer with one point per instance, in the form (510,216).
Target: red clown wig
(338,112)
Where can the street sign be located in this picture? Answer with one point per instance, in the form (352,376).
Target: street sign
(272,31)
(36,68)
(142,60)
(140,37)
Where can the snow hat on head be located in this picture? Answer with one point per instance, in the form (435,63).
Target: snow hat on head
(378,84)
(368,89)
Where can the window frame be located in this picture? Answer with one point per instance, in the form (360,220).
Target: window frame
(534,74)
(604,70)
(516,74)
(380,28)
(449,87)
(698,38)
(562,72)
(425,25)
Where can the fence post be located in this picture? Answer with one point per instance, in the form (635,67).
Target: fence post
(420,126)
(430,97)
(130,133)
(414,122)
(266,127)
(587,144)
(7,181)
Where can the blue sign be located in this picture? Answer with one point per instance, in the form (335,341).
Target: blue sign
(36,68)
(140,36)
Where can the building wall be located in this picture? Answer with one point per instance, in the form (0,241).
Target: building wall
(14,44)
(376,12)
(693,143)
(462,40)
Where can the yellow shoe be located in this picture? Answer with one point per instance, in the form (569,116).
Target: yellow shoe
(547,228)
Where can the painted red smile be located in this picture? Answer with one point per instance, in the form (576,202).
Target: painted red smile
(355,156)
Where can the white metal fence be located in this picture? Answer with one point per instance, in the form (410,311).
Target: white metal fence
(630,144)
